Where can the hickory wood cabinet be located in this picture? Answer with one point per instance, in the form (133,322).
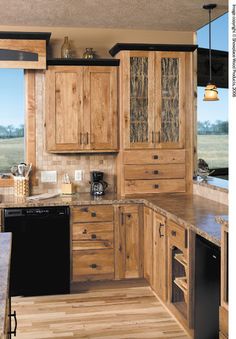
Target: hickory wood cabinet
(81,108)
(156,119)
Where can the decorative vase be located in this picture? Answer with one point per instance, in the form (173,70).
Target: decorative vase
(66,49)
(88,54)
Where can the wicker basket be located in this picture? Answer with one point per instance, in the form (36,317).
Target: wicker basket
(21,186)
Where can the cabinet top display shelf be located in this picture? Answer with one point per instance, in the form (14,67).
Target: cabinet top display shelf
(82,62)
(151,47)
(26,36)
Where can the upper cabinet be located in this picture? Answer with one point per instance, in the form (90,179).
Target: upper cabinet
(81,108)
(153,99)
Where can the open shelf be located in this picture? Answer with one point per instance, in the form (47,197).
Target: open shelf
(182,283)
(181,259)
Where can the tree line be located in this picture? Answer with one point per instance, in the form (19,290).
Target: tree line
(207,127)
(10,131)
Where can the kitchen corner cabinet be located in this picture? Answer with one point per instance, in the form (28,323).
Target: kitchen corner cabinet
(81,108)
(129,242)
(159,256)
(153,99)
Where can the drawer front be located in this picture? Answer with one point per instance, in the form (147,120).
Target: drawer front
(154,171)
(154,186)
(93,231)
(92,213)
(154,157)
(177,234)
(91,245)
(89,263)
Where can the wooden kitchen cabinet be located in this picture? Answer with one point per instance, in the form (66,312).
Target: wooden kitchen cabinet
(92,243)
(148,244)
(159,256)
(129,242)
(81,108)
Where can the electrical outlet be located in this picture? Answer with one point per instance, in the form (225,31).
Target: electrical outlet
(49,176)
(78,175)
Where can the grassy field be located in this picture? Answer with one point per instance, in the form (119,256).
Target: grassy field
(213,149)
(11,152)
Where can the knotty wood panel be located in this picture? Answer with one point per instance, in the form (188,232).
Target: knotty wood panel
(154,186)
(154,171)
(140,157)
(93,231)
(91,245)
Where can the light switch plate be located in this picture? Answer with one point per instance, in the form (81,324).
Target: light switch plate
(49,176)
(78,175)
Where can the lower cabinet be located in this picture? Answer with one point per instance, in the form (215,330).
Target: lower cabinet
(159,255)
(129,242)
(92,243)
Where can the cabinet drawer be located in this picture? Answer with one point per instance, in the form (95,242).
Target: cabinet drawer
(154,186)
(154,171)
(93,264)
(93,231)
(154,157)
(177,234)
(91,245)
(92,213)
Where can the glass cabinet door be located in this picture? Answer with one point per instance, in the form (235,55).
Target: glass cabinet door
(170,86)
(139,112)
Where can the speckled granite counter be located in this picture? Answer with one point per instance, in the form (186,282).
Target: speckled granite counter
(5,256)
(192,211)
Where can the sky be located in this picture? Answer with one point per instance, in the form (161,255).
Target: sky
(12,83)
(217,110)
(11,97)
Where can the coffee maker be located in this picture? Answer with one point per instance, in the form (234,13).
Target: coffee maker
(98,186)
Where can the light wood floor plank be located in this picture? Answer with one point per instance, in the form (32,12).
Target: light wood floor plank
(119,312)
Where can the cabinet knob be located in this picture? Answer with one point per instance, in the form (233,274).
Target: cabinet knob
(93,214)
(85,231)
(155,172)
(155,156)
(93,265)
(173,233)
(84,209)
(93,236)
(156,186)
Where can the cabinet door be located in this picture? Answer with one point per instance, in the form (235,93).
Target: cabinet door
(64,118)
(100,108)
(148,245)
(129,247)
(159,256)
(170,99)
(138,100)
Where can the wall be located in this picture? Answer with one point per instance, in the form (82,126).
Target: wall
(103,39)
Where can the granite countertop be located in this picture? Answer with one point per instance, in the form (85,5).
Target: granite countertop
(192,211)
(5,256)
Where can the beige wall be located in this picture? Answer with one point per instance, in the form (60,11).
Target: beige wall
(103,39)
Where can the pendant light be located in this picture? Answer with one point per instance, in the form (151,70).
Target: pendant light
(211,92)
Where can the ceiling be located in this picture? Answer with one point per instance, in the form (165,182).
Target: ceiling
(169,15)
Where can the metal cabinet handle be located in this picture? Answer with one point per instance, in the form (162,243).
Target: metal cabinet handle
(155,156)
(15,319)
(156,186)
(159,137)
(84,209)
(93,214)
(93,236)
(87,138)
(93,265)
(173,233)
(160,226)
(155,172)
(122,216)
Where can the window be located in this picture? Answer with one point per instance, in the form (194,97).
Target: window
(11,118)
(213,116)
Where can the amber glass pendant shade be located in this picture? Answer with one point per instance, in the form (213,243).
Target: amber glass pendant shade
(211,93)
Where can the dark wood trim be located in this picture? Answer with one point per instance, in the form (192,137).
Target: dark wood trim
(83,62)
(150,47)
(219,67)
(26,35)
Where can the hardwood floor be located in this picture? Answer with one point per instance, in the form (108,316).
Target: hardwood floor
(107,311)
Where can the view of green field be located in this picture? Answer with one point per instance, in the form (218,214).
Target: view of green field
(11,152)
(214,150)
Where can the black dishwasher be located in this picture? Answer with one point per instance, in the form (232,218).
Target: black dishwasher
(207,289)
(40,263)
